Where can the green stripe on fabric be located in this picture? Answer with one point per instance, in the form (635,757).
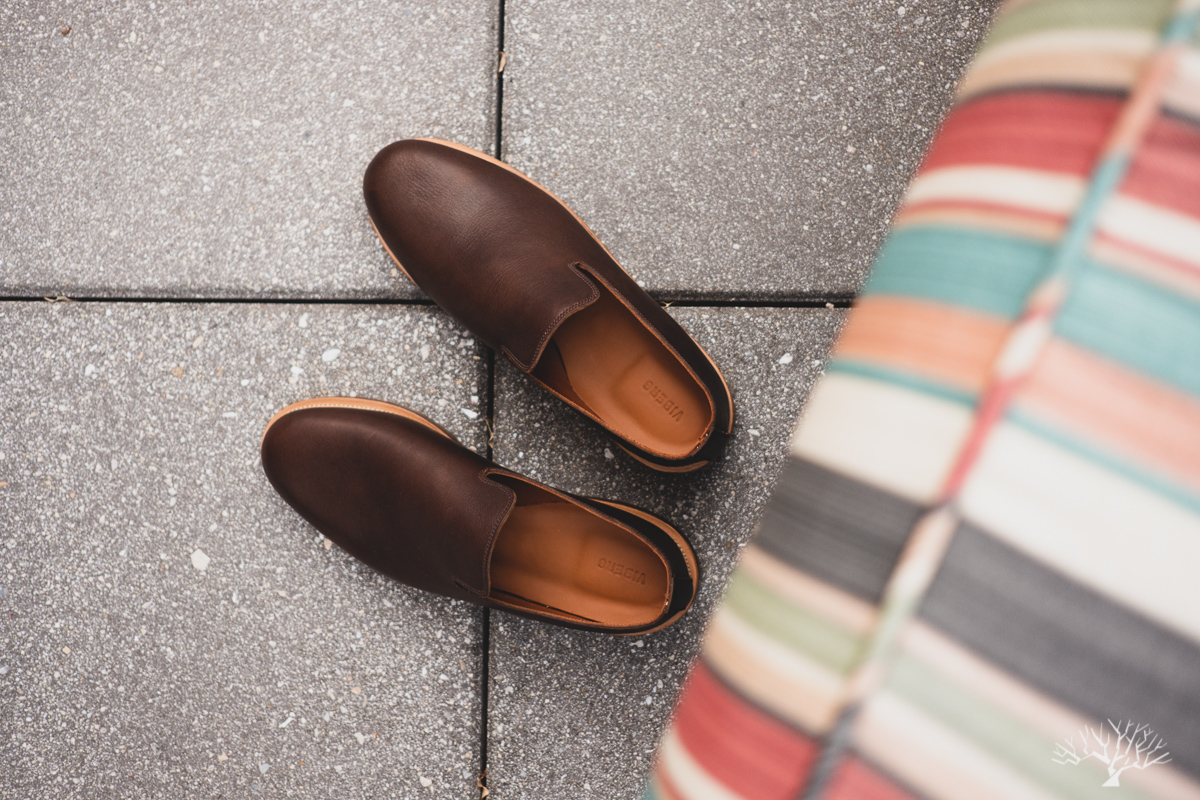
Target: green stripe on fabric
(1106,459)
(1004,737)
(792,626)
(1057,15)
(850,366)
(984,271)
(1135,323)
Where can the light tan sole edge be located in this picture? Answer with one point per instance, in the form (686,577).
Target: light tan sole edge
(688,556)
(569,210)
(359,404)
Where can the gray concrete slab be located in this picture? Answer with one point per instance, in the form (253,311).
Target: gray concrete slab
(284,668)
(576,714)
(745,150)
(217,149)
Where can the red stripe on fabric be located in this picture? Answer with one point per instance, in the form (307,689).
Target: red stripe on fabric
(739,745)
(1054,131)
(854,780)
(1166,170)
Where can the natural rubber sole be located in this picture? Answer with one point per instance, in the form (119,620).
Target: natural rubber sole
(359,404)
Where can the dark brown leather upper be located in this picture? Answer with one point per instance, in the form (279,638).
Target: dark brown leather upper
(395,494)
(505,257)
(486,245)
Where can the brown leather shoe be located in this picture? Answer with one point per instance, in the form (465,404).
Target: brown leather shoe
(516,266)
(399,493)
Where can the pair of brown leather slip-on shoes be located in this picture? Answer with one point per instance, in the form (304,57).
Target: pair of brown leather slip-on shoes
(396,491)
(522,271)
(519,269)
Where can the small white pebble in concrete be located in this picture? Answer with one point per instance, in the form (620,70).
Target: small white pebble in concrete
(424,352)
(786,358)
(754,432)
(426,782)
(287,722)
(222,757)
(468,413)
(330,355)
(229,414)
(245,381)
(199,340)
(303,322)
(90,370)
(262,768)
(361,739)
(200,560)
(608,454)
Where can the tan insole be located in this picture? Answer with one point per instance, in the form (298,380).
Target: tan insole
(629,379)
(558,555)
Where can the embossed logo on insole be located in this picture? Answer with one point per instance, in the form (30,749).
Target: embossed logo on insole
(668,405)
(622,571)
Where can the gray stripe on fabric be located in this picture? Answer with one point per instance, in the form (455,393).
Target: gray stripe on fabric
(1071,642)
(836,528)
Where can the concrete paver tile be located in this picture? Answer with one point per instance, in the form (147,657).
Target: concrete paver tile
(169,627)
(746,150)
(217,149)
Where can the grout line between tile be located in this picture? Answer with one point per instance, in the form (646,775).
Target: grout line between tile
(715,301)
(485,681)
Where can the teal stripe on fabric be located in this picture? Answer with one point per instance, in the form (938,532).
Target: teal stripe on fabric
(989,272)
(1070,258)
(1136,324)
(849,366)
(1106,459)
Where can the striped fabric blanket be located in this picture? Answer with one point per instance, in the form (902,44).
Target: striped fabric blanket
(979,575)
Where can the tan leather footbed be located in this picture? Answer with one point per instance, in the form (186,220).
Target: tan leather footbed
(614,366)
(551,553)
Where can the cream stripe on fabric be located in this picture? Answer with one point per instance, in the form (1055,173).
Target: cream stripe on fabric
(1095,526)
(1152,227)
(897,439)
(1108,59)
(1134,43)
(934,759)
(800,588)
(687,775)
(1183,93)
(795,688)
(1025,189)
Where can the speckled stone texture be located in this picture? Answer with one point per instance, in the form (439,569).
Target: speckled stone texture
(578,715)
(284,668)
(733,150)
(216,149)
